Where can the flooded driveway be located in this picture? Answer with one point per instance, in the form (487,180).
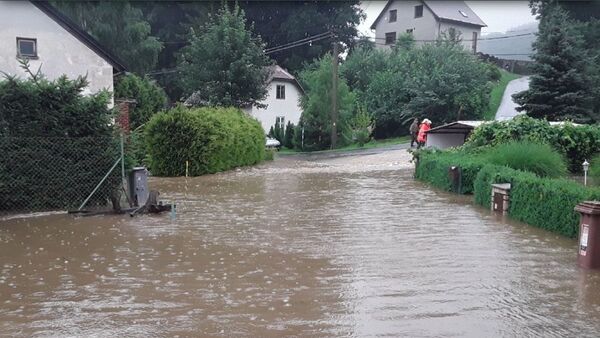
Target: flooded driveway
(343,246)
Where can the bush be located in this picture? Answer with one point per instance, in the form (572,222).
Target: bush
(542,202)
(540,159)
(288,139)
(433,168)
(595,169)
(494,73)
(56,144)
(150,98)
(211,139)
(576,143)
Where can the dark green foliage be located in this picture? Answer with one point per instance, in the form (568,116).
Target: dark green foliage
(211,139)
(316,104)
(150,98)
(288,139)
(542,202)
(540,159)
(120,27)
(576,143)
(494,73)
(442,82)
(224,65)
(594,170)
(278,132)
(269,155)
(56,144)
(434,168)
(360,66)
(558,89)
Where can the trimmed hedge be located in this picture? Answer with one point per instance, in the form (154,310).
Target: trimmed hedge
(433,168)
(211,139)
(542,202)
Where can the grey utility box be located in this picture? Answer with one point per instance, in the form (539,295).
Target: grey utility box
(138,186)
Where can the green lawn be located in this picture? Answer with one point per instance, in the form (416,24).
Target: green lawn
(370,145)
(497,92)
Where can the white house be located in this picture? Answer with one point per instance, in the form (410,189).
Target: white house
(426,21)
(37,31)
(282,101)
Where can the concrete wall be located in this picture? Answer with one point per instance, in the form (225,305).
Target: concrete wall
(466,33)
(443,141)
(58,51)
(289,107)
(425,27)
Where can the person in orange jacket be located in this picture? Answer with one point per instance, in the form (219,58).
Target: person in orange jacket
(422,137)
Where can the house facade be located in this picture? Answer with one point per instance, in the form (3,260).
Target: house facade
(282,101)
(427,21)
(38,32)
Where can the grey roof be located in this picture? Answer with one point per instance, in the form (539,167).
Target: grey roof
(281,74)
(457,11)
(449,10)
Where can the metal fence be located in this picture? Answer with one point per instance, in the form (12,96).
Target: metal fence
(41,174)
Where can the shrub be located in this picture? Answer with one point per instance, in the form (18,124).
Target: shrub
(576,143)
(433,168)
(595,169)
(362,126)
(56,144)
(288,139)
(150,98)
(542,202)
(537,158)
(211,139)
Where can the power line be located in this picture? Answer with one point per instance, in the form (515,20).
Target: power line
(297,44)
(306,39)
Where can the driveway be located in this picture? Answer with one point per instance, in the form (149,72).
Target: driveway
(507,109)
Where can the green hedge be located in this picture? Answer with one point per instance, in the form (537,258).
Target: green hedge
(433,168)
(542,202)
(211,139)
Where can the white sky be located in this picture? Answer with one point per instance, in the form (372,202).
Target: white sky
(500,16)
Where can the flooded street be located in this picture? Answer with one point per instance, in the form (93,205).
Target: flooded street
(302,246)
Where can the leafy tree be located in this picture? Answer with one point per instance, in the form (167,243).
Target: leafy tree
(120,27)
(557,89)
(360,66)
(362,127)
(224,64)
(316,104)
(289,135)
(150,98)
(442,82)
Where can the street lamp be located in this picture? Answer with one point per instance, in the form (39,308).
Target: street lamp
(586,167)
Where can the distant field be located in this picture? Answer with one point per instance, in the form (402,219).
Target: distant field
(497,92)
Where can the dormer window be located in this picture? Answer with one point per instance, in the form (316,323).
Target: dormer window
(463,13)
(393,15)
(26,48)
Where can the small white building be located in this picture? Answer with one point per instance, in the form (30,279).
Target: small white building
(39,32)
(427,20)
(282,101)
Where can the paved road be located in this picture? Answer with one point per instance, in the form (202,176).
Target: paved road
(507,109)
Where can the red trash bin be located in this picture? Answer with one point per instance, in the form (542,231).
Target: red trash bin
(588,251)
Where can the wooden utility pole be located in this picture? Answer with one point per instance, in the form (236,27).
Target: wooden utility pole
(334,95)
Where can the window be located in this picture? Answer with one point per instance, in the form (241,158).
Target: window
(474,45)
(393,15)
(463,13)
(281,92)
(26,48)
(390,38)
(418,11)
(280,121)
(410,30)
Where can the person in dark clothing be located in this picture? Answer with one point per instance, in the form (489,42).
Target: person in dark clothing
(414,131)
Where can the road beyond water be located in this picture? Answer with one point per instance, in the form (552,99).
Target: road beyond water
(508,108)
(302,246)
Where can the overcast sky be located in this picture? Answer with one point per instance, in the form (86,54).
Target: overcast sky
(500,16)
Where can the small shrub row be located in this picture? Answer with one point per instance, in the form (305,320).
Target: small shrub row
(433,168)
(542,202)
(211,139)
(576,143)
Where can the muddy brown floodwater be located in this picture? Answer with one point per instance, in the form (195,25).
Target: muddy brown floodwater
(303,246)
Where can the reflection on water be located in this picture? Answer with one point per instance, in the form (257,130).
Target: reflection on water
(294,248)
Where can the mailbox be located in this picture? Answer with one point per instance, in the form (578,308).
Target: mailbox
(138,186)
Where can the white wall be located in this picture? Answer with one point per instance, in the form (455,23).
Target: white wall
(466,33)
(59,52)
(425,27)
(443,141)
(288,108)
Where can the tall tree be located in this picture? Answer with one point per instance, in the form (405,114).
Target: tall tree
(557,89)
(120,27)
(224,64)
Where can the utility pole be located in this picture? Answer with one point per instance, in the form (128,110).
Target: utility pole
(334,95)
